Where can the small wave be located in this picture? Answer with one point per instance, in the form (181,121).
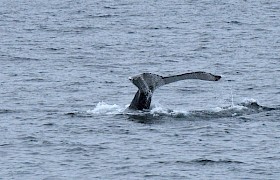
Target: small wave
(29,138)
(6,111)
(5,144)
(3,111)
(202,161)
(103,16)
(235,22)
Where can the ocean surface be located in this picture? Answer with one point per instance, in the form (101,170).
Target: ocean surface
(64,89)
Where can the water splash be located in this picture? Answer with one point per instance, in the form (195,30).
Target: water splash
(248,106)
(104,108)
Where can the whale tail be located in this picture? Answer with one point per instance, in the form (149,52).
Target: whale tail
(147,83)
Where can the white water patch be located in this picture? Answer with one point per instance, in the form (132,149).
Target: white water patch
(159,110)
(104,108)
(232,110)
(249,101)
(238,107)
(232,107)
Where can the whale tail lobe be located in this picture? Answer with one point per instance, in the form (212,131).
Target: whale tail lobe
(193,75)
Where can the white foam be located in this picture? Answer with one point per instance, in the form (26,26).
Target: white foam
(161,110)
(238,107)
(217,109)
(249,100)
(104,108)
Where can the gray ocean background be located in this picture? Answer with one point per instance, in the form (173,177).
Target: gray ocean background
(64,89)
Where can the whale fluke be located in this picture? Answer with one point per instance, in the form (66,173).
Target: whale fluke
(147,83)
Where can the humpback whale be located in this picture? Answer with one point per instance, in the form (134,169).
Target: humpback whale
(147,83)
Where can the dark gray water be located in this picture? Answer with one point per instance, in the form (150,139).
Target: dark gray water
(64,89)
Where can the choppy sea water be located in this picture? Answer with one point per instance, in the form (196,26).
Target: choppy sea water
(65,88)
